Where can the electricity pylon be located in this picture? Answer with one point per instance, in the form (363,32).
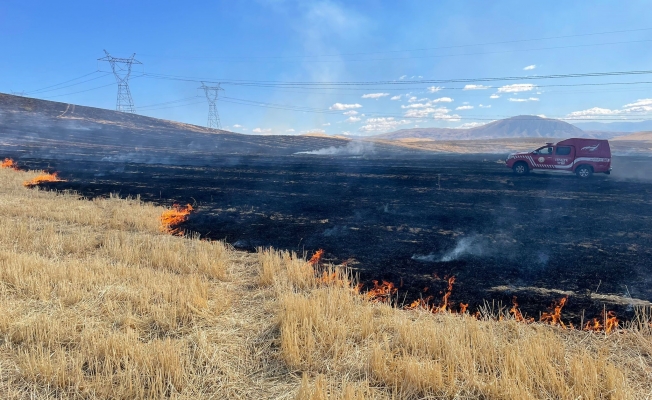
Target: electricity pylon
(211,95)
(121,70)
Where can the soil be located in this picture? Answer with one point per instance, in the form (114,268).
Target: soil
(415,221)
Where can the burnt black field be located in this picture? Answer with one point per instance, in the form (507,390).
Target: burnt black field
(414,221)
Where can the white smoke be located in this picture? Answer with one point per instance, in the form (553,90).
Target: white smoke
(474,245)
(336,231)
(471,245)
(427,258)
(356,148)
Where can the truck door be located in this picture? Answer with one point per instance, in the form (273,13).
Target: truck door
(543,158)
(563,157)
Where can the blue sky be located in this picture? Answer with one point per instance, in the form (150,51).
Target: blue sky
(45,43)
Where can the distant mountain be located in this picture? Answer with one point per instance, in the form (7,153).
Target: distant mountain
(615,126)
(522,126)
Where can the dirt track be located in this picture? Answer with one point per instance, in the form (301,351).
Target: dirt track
(417,220)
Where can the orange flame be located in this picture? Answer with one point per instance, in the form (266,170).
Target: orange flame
(42,179)
(517,313)
(9,163)
(554,317)
(170,219)
(316,258)
(444,300)
(608,323)
(442,307)
(381,293)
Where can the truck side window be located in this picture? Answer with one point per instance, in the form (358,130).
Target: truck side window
(545,150)
(563,150)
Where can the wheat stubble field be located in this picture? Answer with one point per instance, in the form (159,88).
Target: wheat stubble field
(96,301)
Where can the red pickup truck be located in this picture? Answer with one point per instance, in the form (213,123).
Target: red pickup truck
(584,157)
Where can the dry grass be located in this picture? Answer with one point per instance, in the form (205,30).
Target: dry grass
(96,302)
(366,350)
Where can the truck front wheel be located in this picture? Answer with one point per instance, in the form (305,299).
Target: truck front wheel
(521,168)
(584,171)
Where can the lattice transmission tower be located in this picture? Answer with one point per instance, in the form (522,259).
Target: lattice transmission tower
(122,70)
(211,95)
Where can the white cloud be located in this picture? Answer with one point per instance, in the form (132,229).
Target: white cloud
(402,77)
(524,100)
(237,126)
(353,119)
(434,89)
(469,125)
(352,112)
(483,106)
(494,96)
(435,113)
(448,117)
(412,99)
(639,102)
(541,115)
(529,67)
(464,108)
(416,105)
(517,87)
(476,87)
(397,97)
(374,95)
(340,106)
(326,124)
(382,124)
(261,130)
(289,130)
(428,103)
(314,131)
(594,112)
(419,113)
(640,105)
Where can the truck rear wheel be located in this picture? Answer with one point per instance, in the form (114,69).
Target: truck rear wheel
(521,168)
(584,171)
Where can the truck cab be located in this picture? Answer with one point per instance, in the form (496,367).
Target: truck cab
(584,157)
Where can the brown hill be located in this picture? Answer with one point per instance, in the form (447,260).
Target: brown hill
(39,128)
(637,136)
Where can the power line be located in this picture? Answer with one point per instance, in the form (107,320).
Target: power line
(327,84)
(168,107)
(168,102)
(62,83)
(257,58)
(478,53)
(81,91)
(211,93)
(122,70)
(367,113)
(67,86)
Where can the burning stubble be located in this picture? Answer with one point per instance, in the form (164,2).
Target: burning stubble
(96,301)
